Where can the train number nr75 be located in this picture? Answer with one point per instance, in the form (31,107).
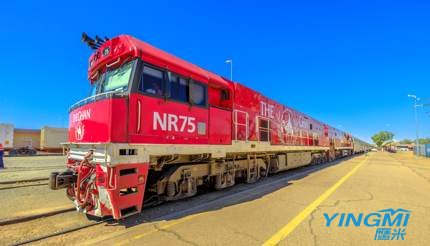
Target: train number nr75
(172,122)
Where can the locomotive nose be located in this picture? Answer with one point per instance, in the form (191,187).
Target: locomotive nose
(99,121)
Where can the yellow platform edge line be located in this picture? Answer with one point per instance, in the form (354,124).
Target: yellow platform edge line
(288,228)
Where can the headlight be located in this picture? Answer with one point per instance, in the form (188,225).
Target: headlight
(106,51)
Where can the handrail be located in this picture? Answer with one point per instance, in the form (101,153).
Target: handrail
(92,97)
(139,108)
(236,123)
(114,63)
(95,75)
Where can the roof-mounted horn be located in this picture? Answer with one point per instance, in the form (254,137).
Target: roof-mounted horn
(93,43)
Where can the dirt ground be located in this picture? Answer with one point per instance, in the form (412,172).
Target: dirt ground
(30,200)
(19,168)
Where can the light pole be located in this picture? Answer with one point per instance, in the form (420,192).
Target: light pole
(416,99)
(231,68)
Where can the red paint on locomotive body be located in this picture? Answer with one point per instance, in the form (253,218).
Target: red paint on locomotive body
(166,121)
(126,113)
(101,121)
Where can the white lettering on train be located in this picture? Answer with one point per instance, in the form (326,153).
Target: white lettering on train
(266,110)
(170,122)
(81,115)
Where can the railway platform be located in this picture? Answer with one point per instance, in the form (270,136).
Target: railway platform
(294,213)
(291,208)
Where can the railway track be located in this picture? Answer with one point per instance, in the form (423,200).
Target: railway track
(40,220)
(201,203)
(62,232)
(28,169)
(25,183)
(44,226)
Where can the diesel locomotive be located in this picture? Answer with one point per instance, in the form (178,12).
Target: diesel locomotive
(155,128)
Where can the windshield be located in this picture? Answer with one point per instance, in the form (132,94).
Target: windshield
(117,79)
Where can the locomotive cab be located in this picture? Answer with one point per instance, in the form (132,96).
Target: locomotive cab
(136,98)
(101,117)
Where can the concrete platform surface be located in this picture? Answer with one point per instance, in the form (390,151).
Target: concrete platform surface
(291,209)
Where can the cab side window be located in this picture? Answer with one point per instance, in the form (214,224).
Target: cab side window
(152,81)
(225,95)
(198,94)
(178,88)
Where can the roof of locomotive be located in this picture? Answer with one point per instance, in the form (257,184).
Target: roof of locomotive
(126,46)
(167,59)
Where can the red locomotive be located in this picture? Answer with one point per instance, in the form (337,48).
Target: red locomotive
(156,127)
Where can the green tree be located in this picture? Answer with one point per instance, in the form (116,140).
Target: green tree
(381,137)
(406,141)
(423,140)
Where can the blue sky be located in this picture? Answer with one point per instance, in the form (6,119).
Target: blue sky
(348,63)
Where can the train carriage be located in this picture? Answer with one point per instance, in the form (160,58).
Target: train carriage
(156,127)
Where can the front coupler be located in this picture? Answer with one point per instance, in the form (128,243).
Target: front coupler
(62,180)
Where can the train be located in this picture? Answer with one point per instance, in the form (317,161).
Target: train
(156,128)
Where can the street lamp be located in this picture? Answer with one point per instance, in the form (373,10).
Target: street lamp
(231,68)
(416,99)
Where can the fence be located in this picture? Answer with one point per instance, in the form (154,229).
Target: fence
(423,150)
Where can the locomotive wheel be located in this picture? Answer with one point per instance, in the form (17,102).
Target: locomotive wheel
(171,189)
